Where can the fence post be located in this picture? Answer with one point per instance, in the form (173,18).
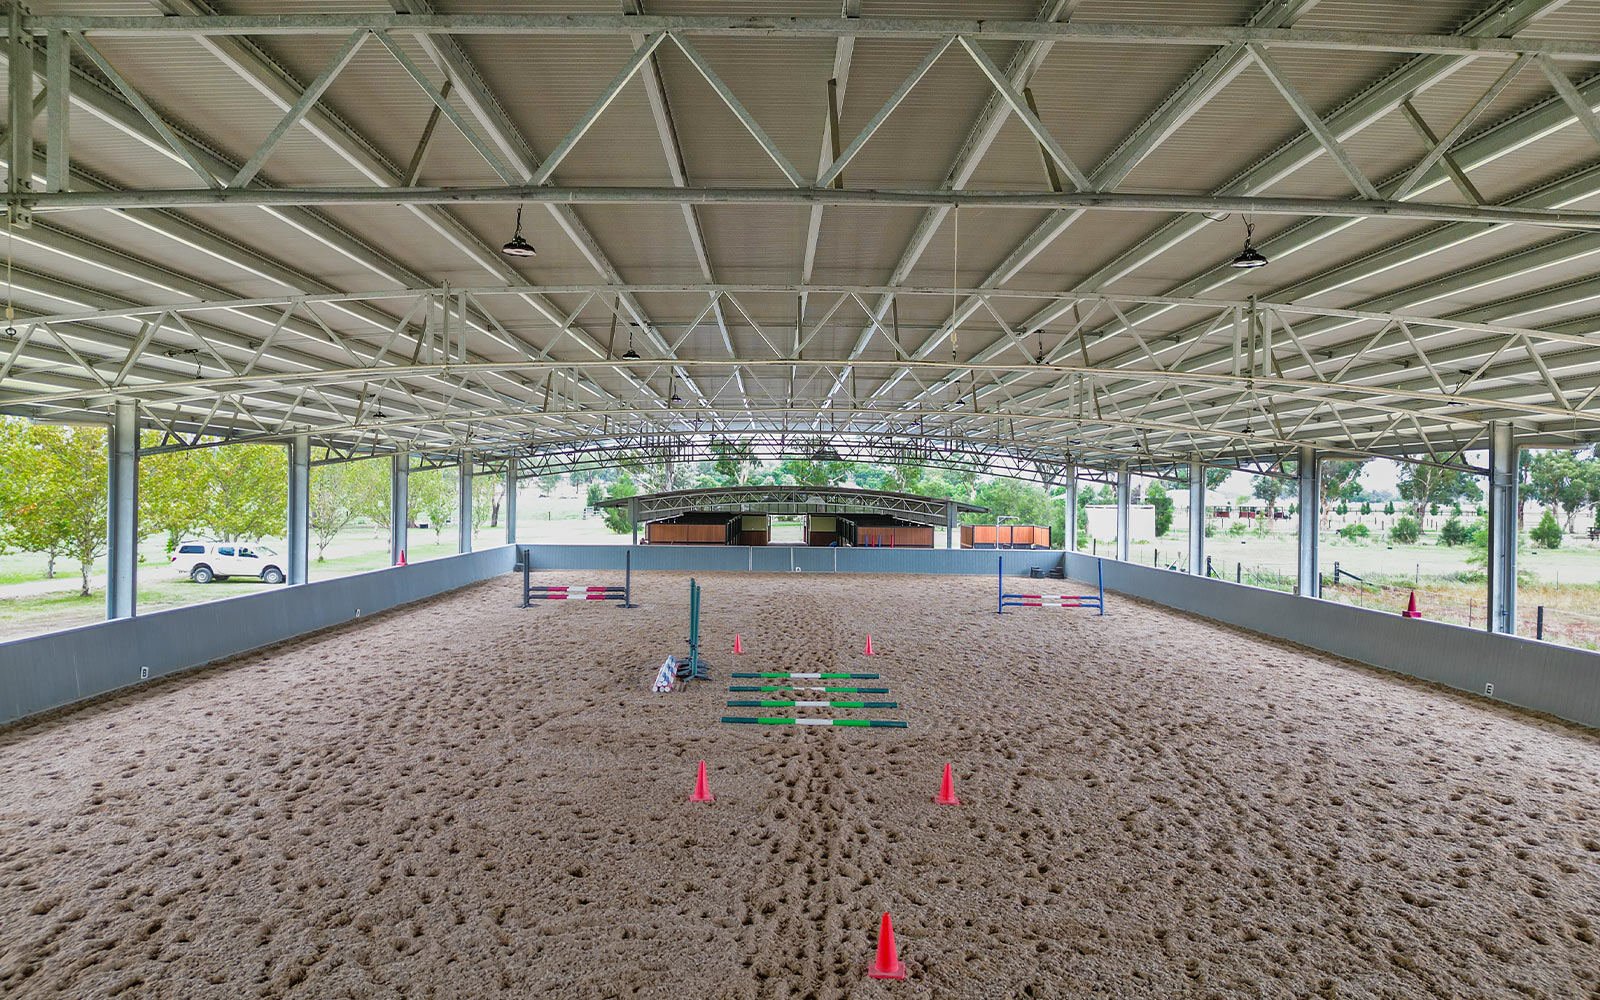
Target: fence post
(1539,627)
(1238,572)
(1209,572)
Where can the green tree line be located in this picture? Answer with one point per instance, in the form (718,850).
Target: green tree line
(54,494)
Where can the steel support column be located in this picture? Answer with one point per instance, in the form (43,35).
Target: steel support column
(1197,519)
(1502,529)
(464,503)
(399,506)
(1069,535)
(1310,498)
(508,509)
(122,514)
(950,524)
(19,113)
(633,518)
(299,507)
(1124,499)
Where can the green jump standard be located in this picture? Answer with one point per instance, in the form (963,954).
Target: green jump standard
(779,720)
(813,704)
(809,677)
(791,687)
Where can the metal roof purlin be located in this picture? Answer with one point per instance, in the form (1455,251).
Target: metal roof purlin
(1507,16)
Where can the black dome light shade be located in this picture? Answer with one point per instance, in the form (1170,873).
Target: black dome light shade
(1249,256)
(519,247)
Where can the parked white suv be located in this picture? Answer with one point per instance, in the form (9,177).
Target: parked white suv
(203,562)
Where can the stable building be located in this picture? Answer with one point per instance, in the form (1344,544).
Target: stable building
(829,515)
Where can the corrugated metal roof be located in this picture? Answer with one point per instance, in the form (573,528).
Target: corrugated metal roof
(1091,97)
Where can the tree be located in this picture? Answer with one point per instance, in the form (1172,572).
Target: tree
(334,503)
(231,492)
(54,494)
(1269,491)
(1561,479)
(1157,497)
(870,477)
(1453,533)
(617,518)
(905,479)
(24,526)
(733,462)
(1341,481)
(810,472)
(1406,530)
(432,495)
(1027,502)
(595,494)
(1422,486)
(370,482)
(487,492)
(1547,533)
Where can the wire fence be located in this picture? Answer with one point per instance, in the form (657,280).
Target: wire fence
(1438,597)
(1562,626)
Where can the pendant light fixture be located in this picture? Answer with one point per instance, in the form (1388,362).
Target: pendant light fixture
(519,247)
(1249,257)
(630,354)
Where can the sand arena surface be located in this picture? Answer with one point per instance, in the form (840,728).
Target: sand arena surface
(467,799)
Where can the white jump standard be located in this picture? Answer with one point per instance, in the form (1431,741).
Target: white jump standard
(1095,601)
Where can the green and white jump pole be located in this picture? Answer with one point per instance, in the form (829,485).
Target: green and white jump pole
(813,704)
(795,687)
(779,720)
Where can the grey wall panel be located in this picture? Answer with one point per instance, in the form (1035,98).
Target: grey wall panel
(773,560)
(786,558)
(48,671)
(1547,678)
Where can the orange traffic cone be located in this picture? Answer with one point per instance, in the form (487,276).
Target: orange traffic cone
(702,791)
(738,644)
(1411,609)
(868,650)
(947,790)
(887,964)
(402,561)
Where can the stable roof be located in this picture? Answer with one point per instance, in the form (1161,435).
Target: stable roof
(841,500)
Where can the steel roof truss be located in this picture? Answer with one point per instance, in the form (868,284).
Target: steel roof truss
(740,112)
(312,94)
(147,112)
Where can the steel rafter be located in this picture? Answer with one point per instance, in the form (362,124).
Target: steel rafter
(923,28)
